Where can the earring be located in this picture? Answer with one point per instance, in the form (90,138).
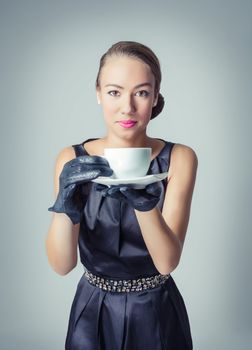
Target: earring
(99,102)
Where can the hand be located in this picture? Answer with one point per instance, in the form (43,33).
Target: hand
(76,172)
(140,199)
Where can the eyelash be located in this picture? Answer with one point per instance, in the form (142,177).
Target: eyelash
(146,93)
(110,92)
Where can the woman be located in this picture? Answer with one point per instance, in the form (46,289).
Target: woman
(129,240)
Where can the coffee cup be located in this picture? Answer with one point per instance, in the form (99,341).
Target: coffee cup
(128,163)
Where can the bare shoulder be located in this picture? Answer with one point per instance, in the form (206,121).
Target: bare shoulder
(183,160)
(64,156)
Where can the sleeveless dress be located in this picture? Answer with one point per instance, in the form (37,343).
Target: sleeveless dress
(111,246)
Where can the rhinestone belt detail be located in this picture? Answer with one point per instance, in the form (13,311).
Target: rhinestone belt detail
(133,285)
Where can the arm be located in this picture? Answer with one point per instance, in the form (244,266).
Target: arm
(164,233)
(62,237)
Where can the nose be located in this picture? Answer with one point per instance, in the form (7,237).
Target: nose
(128,105)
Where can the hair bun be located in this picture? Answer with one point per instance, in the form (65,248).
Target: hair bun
(159,106)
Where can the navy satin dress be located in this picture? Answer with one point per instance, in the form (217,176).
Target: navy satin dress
(111,245)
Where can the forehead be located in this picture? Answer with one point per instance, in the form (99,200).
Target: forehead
(123,70)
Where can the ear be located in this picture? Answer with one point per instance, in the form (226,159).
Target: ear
(156,100)
(98,96)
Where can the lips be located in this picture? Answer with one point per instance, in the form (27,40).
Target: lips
(127,123)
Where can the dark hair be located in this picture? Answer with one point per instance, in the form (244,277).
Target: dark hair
(145,54)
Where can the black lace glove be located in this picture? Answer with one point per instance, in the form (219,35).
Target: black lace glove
(76,172)
(140,199)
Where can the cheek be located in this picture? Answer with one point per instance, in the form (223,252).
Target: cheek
(109,110)
(146,111)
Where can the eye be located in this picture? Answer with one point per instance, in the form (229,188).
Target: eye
(113,93)
(143,93)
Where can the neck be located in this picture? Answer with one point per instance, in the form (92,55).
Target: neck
(138,141)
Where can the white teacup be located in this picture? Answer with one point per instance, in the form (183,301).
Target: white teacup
(128,162)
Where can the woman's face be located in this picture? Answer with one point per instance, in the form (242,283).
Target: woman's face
(127,95)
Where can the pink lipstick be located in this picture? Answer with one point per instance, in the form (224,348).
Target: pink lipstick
(127,123)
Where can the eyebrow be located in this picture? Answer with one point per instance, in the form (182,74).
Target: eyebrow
(136,87)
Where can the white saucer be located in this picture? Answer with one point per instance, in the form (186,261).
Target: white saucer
(136,182)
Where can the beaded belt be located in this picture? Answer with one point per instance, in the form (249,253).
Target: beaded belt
(133,285)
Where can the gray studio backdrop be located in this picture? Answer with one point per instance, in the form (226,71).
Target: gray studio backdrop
(49,59)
